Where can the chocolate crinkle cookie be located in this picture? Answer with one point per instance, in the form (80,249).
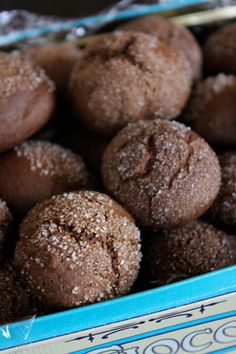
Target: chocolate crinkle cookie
(16,299)
(224,207)
(37,170)
(5,227)
(78,248)
(128,76)
(162,172)
(177,36)
(220,50)
(26,100)
(211,110)
(57,59)
(194,249)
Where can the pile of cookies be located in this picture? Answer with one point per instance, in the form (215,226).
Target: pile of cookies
(109,156)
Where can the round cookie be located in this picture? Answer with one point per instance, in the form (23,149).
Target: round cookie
(194,249)
(178,37)
(16,300)
(211,110)
(37,170)
(125,77)
(26,100)
(220,50)
(162,172)
(56,59)
(5,227)
(78,248)
(224,207)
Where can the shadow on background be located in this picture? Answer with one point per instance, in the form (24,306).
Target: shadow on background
(69,8)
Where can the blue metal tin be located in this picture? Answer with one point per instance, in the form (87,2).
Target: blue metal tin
(194,315)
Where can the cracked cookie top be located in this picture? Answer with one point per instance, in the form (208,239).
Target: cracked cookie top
(128,76)
(171,33)
(78,248)
(162,172)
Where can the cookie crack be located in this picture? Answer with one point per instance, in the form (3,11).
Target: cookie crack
(106,243)
(185,166)
(106,54)
(151,148)
(133,60)
(74,234)
(124,51)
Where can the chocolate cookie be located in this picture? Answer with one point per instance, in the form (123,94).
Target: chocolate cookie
(224,207)
(78,248)
(37,170)
(128,76)
(220,50)
(56,59)
(16,300)
(178,37)
(211,110)
(26,100)
(162,172)
(5,227)
(188,251)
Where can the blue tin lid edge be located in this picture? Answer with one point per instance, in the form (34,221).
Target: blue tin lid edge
(184,292)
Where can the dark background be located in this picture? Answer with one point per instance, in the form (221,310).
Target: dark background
(69,8)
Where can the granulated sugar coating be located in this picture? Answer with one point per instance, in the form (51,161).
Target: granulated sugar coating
(220,50)
(78,248)
(19,75)
(37,170)
(167,31)
(26,102)
(5,226)
(128,76)
(52,159)
(162,172)
(211,110)
(56,59)
(188,251)
(16,300)
(224,207)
